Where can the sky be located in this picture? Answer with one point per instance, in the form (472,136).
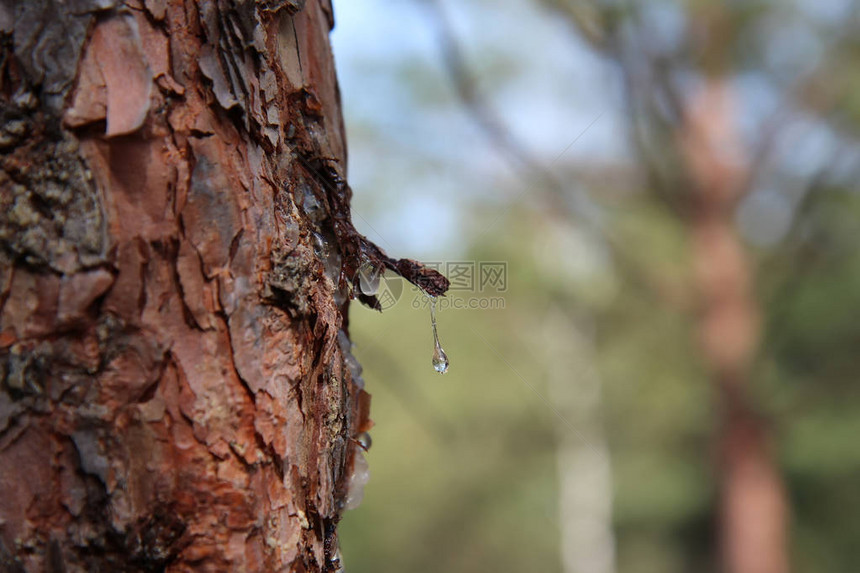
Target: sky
(421,169)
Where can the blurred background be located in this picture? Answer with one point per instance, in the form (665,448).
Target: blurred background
(650,215)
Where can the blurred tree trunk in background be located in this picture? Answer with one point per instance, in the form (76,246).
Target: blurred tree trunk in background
(582,454)
(753,508)
(174,393)
(699,170)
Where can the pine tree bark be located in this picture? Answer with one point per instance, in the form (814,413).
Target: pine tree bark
(174,279)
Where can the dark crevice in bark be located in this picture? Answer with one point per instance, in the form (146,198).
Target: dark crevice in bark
(171,253)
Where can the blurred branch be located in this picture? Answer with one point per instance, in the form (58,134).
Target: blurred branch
(481,112)
(597,26)
(775,125)
(803,251)
(547,185)
(657,152)
(648,82)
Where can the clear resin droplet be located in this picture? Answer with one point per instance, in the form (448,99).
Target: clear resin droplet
(320,246)
(364,441)
(440,359)
(368,279)
(357,480)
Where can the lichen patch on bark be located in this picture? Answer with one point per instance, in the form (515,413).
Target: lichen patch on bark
(50,211)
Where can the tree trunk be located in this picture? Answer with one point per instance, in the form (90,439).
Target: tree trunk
(176,248)
(753,507)
(582,453)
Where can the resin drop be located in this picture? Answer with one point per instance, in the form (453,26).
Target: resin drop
(357,480)
(364,441)
(368,279)
(321,249)
(440,359)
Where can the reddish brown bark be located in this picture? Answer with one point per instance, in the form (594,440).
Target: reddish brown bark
(176,391)
(753,508)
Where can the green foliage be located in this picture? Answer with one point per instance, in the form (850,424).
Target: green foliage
(465,467)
